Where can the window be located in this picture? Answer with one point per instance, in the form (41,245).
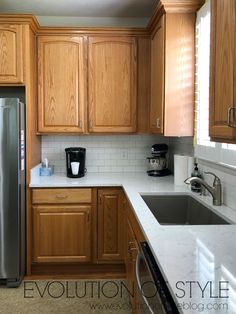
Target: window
(222,153)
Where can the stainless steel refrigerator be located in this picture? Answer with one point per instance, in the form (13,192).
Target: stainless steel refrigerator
(12,191)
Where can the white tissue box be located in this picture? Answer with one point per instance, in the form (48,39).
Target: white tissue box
(47,172)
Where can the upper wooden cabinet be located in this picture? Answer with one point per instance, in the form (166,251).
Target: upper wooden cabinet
(172,75)
(112,84)
(11,54)
(157,78)
(61,84)
(223,71)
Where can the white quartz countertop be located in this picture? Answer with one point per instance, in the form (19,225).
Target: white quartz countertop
(199,262)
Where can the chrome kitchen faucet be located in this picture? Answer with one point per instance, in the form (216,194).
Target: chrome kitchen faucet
(214,190)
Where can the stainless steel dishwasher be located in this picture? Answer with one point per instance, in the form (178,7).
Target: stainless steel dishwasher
(154,295)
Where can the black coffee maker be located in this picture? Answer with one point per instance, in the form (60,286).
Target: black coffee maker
(75,154)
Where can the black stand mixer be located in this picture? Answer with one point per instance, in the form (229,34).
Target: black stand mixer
(158,162)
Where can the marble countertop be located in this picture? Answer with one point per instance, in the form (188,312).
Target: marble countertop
(198,262)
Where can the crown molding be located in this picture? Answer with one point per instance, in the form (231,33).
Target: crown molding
(28,19)
(113,31)
(173,6)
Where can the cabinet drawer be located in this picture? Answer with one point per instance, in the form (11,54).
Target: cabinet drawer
(68,196)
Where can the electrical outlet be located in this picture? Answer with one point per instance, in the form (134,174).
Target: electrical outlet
(124,154)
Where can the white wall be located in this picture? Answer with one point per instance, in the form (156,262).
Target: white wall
(75,21)
(110,153)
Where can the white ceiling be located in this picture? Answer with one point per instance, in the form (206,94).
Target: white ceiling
(81,8)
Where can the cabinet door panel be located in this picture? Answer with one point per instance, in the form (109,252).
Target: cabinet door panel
(110,222)
(61,84)
(130,264)
(179,74)
(11,55)
(112,84)
(222,71)
(62,233)
(157,79)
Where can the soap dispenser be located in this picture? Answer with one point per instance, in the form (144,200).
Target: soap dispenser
(195,186)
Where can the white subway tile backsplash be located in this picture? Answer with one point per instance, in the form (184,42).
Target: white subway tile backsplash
(104,153)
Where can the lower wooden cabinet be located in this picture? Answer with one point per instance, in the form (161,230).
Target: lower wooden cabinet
(110,225)
(83,229)
(77,225)
(62,233)
(133,237)
(132,251)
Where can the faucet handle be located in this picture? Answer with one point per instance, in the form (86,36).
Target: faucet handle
(216,179)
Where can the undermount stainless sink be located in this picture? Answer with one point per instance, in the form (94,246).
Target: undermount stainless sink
(181,210)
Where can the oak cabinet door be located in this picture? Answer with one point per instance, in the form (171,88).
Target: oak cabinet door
(11,54)
(62,233)
(110,225)
(223,69)
(61,84)
(157,79)
(132,251)
(172,75)
(112,84)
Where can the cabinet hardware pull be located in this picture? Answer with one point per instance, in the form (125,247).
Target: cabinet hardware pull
(131,246)
(90,124)
(158,122)
(61,197)
(230,110)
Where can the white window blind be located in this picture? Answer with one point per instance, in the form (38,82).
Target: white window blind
(202,75)
(222,153)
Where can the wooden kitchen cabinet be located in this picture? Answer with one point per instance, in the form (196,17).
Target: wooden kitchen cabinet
(62,233)
(133,236)
(11,54)
(61,84)
(223,71)
(132,251)
(172,75)
(62,225)
(157,78)
(110,225)
(68,196)
(112,84)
